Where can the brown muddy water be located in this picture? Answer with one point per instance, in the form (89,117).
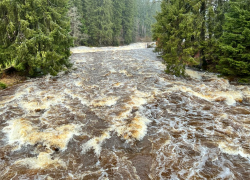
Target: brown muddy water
(118,116)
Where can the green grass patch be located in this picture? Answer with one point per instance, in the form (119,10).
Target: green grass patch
(2,85)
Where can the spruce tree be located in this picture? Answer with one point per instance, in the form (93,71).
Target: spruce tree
(210,41)
(98,17)
(145,10)
(177,34)
(77,22)
(75,25)
(215,10)
(104,12)
(203,63)
(118,6)
(34,35)
(127,21)
(234,43)
(90,19)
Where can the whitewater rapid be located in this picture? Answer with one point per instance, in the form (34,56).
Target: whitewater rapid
(117,115)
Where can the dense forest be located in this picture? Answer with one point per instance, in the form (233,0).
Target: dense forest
(36,35)
(213,35)
(209,34)
(111,22)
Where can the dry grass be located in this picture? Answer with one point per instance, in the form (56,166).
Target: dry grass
(11,79)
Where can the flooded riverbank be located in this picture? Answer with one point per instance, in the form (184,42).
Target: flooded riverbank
(119,116)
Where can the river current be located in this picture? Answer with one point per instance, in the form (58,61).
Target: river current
(117,115)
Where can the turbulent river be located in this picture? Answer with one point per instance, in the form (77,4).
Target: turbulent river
(117,115)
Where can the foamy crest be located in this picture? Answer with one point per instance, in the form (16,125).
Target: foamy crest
(43,160)
(84,49)
(229,97)
(95,143)
(118,84)
(233,150)
(104,101)
(125,72)
(77,96)
(23,132)
(136,129)
(226,174)
(193,74)
(44,103)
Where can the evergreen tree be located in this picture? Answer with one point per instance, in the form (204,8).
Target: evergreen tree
(98,17)
(127,21)
(235,41)
(104,12)
(220,9)
(118,6)
(215,10)
(203,20)
(203,63)
(34,35)
(77,23)
(144,18)
(112,22)
(177,34)
(89,17)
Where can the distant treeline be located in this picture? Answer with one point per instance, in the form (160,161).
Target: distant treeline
(111,22)
(209,34)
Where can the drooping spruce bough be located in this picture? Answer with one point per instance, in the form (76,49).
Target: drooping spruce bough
(210,34)
(34,35)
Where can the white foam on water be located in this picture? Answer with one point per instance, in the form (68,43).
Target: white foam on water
(104,101)
(229,97)
(95,143)
(137,101)
(43,160)
(84,49)
(24,133)
(125,72)
(118,84)
(6,100)
(233,150)
(71,93)
(20,93)
(226,174)
(136,129)
(41,103)
(79,83)
(193,74)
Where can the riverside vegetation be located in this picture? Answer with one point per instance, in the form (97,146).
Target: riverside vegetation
(210,34)
(117,114)
(36,36)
